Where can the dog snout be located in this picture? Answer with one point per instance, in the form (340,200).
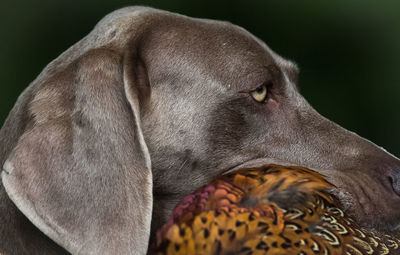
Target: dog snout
(394,179)
(388,172)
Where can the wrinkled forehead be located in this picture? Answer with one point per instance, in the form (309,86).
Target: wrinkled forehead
(214,49)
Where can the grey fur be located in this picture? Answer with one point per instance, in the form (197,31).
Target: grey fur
(156,101)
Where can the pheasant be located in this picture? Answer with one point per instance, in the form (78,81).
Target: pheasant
(272,209)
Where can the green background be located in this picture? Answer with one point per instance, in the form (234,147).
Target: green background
(348,51)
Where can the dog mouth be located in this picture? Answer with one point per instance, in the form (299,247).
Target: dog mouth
(256,162)
(366,200)
(361,197)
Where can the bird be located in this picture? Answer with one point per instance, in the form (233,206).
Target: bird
(270,209)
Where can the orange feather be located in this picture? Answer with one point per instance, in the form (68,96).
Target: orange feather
(272,209)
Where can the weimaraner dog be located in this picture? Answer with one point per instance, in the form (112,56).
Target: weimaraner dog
(149,106)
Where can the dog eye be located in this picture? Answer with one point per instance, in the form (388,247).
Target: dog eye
(260,94)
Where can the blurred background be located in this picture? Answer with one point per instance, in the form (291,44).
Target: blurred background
(348,51)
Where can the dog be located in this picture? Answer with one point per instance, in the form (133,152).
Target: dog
(146,108)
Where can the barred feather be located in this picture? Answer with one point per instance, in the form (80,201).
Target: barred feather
(272,209)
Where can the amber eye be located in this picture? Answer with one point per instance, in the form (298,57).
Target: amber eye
(260,94)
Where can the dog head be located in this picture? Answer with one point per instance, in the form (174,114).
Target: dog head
(236,101)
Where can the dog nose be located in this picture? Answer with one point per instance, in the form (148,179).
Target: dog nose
(395,179)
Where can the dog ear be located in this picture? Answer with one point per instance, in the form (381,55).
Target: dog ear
(80,170)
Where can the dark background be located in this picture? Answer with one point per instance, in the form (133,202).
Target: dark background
(348,51)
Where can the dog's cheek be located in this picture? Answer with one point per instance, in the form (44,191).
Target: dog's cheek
(228,127)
